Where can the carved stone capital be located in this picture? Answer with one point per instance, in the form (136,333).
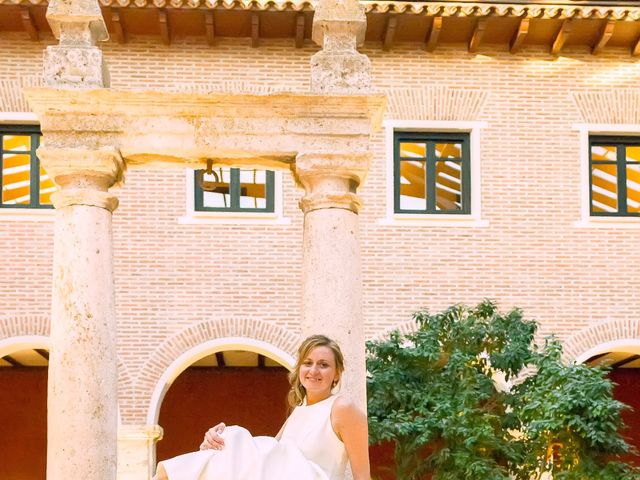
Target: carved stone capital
(331,180)
(83,176)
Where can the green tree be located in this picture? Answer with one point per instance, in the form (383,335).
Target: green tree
(433,394)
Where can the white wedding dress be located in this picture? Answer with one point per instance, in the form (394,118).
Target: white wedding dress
(309,449)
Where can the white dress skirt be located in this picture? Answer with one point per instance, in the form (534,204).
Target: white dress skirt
(308,449)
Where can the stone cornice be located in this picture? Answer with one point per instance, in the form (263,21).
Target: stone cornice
(525,9)
(45,101)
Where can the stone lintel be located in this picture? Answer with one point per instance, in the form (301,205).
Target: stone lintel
(331,180)
(187,128)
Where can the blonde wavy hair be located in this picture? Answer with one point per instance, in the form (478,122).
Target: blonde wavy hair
(297,391)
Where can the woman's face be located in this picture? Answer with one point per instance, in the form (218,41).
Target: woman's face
(318,371)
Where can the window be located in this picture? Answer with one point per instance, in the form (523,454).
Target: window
(234,190)
(24,183)
(432,173)
(614,175)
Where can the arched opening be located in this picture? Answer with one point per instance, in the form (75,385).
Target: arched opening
(244,386)
(23,407)
(623,359)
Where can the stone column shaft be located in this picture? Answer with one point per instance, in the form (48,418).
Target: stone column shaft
(82,391)
(332,278)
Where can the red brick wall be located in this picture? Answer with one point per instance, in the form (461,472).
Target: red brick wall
(202,397)
(23,423)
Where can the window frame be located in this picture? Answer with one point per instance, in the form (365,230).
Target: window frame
(35,132)
(429,139)
(471,219)
(226,217)
(621,171)
(585,130)
(235,194)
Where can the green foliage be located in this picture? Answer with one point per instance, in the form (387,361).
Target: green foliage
(432,392)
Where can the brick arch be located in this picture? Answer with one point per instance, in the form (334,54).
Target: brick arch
(24,325)
(613,334)
(405,327)
(33,331)
(176,353)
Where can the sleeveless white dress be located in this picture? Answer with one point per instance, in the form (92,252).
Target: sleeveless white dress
(308,449)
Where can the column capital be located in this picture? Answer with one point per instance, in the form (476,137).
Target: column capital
(152,433)
(331,180)
(83,176)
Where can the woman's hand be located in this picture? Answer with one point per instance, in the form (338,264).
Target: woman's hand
(213,439)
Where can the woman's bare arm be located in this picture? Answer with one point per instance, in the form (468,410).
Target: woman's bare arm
(350,424)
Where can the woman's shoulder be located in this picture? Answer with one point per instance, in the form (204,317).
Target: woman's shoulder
(344,410)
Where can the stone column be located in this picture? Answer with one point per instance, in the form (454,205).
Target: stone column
(136,451)
(82,392)
(331,270)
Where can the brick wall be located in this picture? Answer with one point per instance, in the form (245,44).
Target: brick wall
(172,276)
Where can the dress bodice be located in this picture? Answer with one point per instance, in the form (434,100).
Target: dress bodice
(309,428)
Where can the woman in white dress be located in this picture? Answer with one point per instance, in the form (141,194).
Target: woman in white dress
(323,432)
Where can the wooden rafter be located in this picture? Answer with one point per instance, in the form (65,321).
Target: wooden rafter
(12,361)
(562,36)
(521,34)
(118,28)
(389,32)
(43,353)
(300,27)
(165,31)
(605,35)
(624,361)
(433,34)
(28,23)
(220,359)
(635,50)
(210,28)
(255,30)
(594,360)
(478,33)
(261,361)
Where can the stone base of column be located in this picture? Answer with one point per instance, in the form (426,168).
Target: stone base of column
(136,452)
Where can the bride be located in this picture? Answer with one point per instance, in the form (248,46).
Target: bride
(323,432)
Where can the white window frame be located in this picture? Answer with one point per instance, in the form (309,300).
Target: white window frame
(473,219)
(23,214)
(586,219)
(193,216)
